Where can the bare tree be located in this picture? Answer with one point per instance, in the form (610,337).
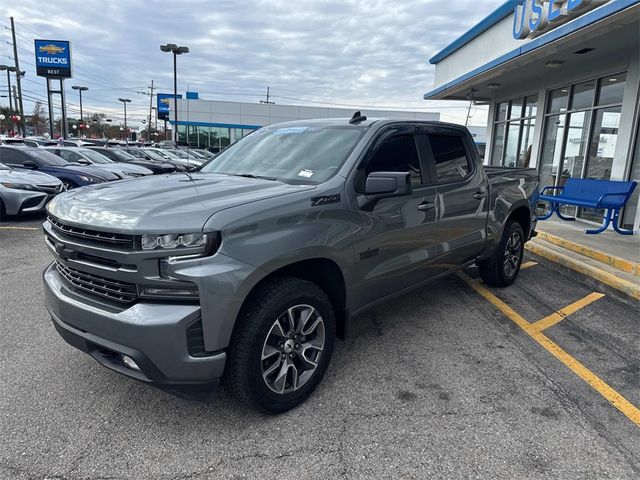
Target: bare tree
(39,118)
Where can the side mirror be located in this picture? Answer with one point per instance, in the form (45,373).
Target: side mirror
(84,161)
(30,164)
(388,184)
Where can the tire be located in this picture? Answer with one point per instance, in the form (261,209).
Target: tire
(260,351)
(3,211)
(501,269)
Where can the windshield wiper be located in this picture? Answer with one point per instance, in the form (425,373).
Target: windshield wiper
(250,175)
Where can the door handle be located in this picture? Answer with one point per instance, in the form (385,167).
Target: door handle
(424,206)
(479,195)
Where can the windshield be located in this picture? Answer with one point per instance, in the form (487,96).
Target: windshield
(46,158)
(154,155)
(135,152)
(162,154)
(95,157)
(302,154)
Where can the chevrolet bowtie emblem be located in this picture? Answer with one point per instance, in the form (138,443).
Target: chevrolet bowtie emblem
(51,49)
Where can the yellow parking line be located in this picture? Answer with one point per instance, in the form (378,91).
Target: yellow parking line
(528,264)
(622,404)
(557,316)
(19,228)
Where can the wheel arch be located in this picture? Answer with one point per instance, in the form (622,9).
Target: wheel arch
(321,271)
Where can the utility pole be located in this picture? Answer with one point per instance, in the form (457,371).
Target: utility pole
(150,110)
(15,56)
(267,100)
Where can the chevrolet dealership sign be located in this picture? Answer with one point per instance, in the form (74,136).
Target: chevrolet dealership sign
(535,17)
(53,58)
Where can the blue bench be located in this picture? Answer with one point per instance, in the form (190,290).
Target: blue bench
(587,193)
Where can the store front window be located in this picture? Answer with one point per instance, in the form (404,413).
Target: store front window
(214,139)
(581,132)
(514,125)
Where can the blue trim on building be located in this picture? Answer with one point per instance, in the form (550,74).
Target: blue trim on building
(503,11)
(222,125)
(559,32)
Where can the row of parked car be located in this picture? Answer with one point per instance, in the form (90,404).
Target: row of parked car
(34,170)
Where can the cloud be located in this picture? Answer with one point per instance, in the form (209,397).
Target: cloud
(371,53)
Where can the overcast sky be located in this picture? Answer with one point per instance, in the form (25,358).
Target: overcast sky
(320,52)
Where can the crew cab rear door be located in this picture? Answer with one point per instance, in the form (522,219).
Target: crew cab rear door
(462,189)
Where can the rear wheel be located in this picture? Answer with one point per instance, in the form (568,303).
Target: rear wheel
(281,346)
(501,269)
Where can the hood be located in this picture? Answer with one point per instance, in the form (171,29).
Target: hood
(82,170)
(177,203)
(120,168)
(29,177)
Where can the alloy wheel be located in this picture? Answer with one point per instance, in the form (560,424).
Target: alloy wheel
(512,254)
(292,349)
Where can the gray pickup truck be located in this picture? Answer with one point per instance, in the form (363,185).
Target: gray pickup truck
(248,269)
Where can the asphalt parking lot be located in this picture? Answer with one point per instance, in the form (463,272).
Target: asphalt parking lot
(441,383)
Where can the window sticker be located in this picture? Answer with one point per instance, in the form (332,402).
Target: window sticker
(306,173)
(286,130)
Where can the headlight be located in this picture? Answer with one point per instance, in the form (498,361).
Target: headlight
(171,241)
(89,179)
(18,186)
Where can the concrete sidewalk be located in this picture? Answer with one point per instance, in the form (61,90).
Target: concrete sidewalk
(609,260)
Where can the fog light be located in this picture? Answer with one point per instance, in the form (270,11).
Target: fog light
(129,363)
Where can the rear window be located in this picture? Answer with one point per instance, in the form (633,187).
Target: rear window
(45,158)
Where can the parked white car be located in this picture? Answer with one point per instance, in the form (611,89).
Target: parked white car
(23,191)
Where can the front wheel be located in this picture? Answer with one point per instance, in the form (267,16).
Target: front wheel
(501,269)
(281,345)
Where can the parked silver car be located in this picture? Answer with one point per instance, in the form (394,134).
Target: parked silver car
(86,156)
(24,191)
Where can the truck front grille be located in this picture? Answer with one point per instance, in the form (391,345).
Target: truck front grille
(115,290)
(93,236)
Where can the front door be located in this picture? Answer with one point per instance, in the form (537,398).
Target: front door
(462,194)
(400,237)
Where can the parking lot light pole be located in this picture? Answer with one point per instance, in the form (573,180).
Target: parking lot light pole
(124,102)
(9,70)
(80,90)
(176,50)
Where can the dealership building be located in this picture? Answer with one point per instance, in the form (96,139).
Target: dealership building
(217,124)
(562,81)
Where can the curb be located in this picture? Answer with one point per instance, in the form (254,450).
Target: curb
(627,288)
(616,262)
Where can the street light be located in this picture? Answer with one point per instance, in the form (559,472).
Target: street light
(176,50)
(9,69)
(80,90)
(124,102)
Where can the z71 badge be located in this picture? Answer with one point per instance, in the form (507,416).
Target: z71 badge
(325,200)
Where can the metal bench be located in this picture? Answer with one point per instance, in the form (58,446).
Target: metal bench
(587,193)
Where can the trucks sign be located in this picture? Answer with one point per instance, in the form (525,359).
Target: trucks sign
(163,105)
(53,58)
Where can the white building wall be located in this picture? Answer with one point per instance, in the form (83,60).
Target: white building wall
(258,114)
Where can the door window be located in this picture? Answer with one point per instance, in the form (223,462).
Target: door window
(397,154)
(450,157)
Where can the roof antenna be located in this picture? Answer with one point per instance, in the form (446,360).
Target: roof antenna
(357,118)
